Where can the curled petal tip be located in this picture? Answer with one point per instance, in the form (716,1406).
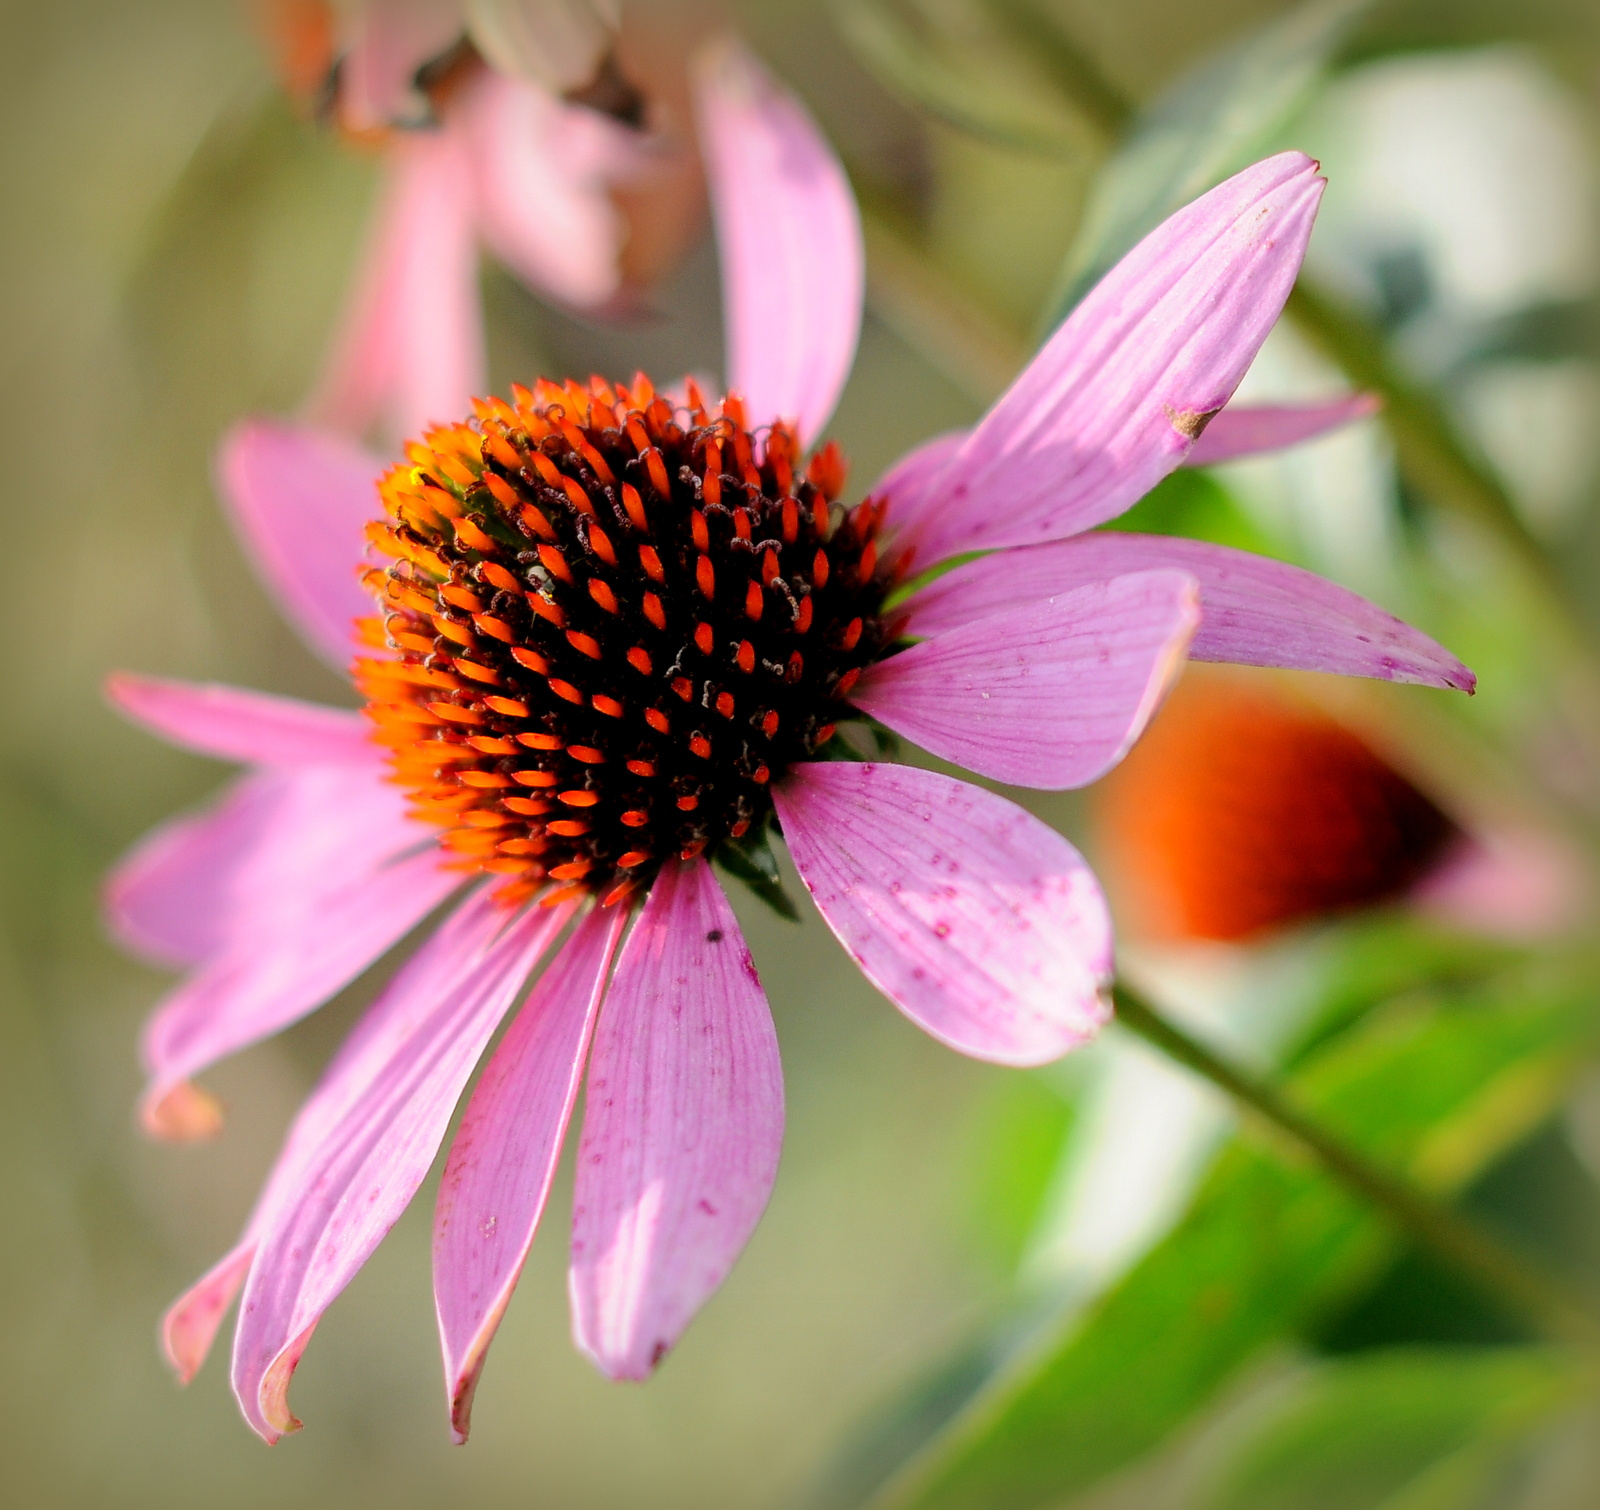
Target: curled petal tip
(277,1420)
(466,1386)
(181,1113)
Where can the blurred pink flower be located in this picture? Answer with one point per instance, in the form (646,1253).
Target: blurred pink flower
(689,613)
(482,143)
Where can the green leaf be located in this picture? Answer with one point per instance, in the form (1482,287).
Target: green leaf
(1384,1429)
(750,859)
(1194,504)
(1269,1246)
(952,61)
(241,270)
(1213,121)
(1379,956)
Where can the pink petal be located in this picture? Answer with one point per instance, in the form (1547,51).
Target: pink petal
(1240,431)
(259,986)
(789,238)
(1049,695)
(1114,400)
(166,899)
(384,44)
(498,1175)
(543,174)
(409,351)
(682,1127)
(911,484)
(300,501)
(1253,610)
(190,1325)
(287,919)
(398,1092)
(239,869)
(231,723)
(1513,882)
(981,924)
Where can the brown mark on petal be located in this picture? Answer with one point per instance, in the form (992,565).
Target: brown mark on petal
(1191,423)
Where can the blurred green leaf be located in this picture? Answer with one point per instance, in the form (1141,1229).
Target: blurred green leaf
(1270,1244)
(1016,1156)
(1382,955)
(1210,123)
(950,60)
(1194,504)
(1386,1429)
(236,283)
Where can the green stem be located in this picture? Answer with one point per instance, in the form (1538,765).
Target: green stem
(1430,456)
(1101,102)
(1461,1243)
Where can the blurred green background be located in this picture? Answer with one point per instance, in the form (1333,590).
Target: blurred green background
(178,246)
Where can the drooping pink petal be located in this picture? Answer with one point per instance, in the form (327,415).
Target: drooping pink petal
(286,919)
(383,45)
(300,500)
(233,723)
(789,238)
(984,926)
(911,484)
(1243,431)
(256,989)
(1052,694)
(240,868)
(498,1175)
(398,1093)
(409,351)
(682,1126)
(1253,610)
(162,899)
(542,173)
(1117,396)
(190,1325)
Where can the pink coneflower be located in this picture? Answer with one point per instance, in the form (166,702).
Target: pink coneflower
(616,637)
(511,128)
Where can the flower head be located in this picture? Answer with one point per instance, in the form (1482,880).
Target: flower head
(616,633)
(614,630)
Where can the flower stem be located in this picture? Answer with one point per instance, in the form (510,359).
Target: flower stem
(1426,447)
(1545,1301)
